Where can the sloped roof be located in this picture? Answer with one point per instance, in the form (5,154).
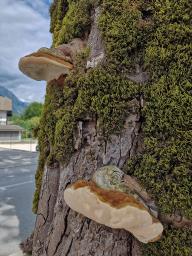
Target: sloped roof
(10,128)
(5,104)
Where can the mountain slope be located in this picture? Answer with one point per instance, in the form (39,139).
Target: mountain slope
(18,106)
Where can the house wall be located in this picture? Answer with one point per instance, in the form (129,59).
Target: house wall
(10,135)
(3,117)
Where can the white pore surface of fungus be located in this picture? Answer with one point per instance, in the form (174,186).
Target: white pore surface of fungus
(113,209)
(45,68)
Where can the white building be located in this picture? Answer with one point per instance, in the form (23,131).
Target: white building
(3,117)
(8,132)
(5,110)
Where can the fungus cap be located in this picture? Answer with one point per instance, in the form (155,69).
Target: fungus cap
(49,64)
(44,66)
(113,209)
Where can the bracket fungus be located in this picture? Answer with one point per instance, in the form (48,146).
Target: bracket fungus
(112,178)
(114,209)
(49,64)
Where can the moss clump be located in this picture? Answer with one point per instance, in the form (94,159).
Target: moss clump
(38,181)
(155,36)
(125,33)
(97,93)
(173,243)
(75,22)
(165,166)
(53,101)
(58,10)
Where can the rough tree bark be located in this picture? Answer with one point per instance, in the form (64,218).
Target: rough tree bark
(59,231)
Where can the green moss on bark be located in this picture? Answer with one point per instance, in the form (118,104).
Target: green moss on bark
(76,22)
(173,243)
(46,134)
(70,19)
(165,166)
(58,10)
(95,93)
(125,33)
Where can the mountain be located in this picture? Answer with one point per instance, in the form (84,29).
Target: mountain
(18,105)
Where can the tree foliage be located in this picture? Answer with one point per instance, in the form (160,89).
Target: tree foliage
(29,119)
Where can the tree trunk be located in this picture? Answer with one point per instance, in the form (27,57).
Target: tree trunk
(61,231)
(58,229)
(140,56)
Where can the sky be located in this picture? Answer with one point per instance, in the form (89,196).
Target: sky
(24,28)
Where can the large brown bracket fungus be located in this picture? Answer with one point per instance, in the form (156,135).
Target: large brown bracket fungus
(49,64)
(112,205)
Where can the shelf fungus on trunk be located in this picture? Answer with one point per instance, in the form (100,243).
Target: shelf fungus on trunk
(110,177)
(49,64)
(114,209)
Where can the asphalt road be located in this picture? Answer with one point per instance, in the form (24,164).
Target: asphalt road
(17,171)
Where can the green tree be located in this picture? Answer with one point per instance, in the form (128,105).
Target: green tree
(29,120)
(33,110)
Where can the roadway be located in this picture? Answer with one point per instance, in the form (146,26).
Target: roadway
(17,171)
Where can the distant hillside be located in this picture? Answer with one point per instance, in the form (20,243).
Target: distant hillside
(18,106)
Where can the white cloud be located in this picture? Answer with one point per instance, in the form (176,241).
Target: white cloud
(24,28)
